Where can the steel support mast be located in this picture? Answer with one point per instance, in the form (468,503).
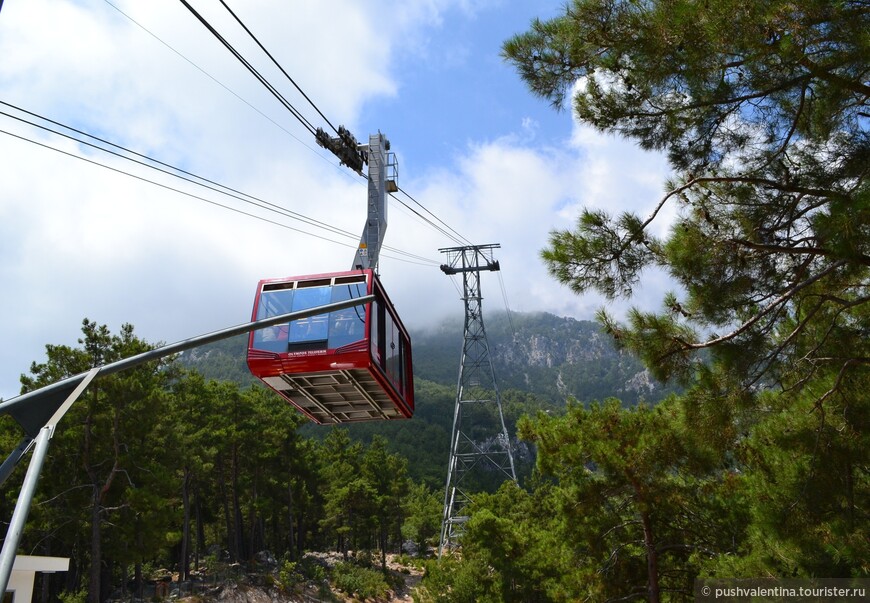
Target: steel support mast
(477,445)
(380,183)
(382,176)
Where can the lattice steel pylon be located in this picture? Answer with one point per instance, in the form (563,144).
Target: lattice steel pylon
(479,439)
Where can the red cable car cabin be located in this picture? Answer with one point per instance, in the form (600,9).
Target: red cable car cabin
(345,366)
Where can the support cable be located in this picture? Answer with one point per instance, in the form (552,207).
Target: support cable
(287,75)
(460,240)
(423,260)
(171,170)
(215,80)
(426,220)
(191,178)
(343,133)
(455,237)
(170,188)
(289,106)
(507,306)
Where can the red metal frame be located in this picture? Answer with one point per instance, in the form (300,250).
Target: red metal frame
(352,357)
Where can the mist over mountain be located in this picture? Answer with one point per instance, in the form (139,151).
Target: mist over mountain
(550,356)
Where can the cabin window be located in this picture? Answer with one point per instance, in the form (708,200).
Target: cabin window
(349,325)
(377,333)
(306,331)
(395,353)
(273,303)
(334,330)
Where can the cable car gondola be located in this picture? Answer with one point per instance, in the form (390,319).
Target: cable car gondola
(345,366)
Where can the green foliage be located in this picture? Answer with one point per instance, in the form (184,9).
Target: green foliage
(422,516)
(628,503)
(760,467)
(105,478)
(359,582)
(289,575)
(184,472)
(762,109)
(803,474)
(638,502)
(454,580)
(78,596)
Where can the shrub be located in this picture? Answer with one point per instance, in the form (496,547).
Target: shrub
(77,596)
(359,581)
(289,575)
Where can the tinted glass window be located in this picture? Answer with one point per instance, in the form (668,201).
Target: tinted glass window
(377,335)
(273,303)
(317,327)
(347,326)
(394,352)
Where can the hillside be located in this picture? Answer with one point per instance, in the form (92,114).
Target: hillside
(539,363)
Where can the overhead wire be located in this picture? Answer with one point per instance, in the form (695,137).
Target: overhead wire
(217,81)
(458,238)
(299,140)
(278,65)
(167,187)
(445,230)
(440,226)
(287,104)
(507,305)
(170,169)
(424,219)
(189,177)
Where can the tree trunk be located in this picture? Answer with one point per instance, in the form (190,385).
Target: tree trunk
(96,549)
(253,523)
(107,569)
(238,521)
(184,562)
(300,535)
(291,544)
(383,543)
(138,582)
(228,522)
(652,559)
(200,530)
(46,577)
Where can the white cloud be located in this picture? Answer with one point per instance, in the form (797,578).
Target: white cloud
(77,240)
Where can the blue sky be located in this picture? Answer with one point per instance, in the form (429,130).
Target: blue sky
(78,240)
(462,91)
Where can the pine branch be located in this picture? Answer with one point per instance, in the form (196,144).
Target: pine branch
(766,310)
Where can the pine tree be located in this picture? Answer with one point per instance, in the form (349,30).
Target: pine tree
(98,473)
(762,109)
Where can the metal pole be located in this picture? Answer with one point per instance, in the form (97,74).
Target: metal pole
(22,507)
(12,460)
(9,405)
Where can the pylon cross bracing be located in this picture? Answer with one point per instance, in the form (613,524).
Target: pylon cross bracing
(479,440)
